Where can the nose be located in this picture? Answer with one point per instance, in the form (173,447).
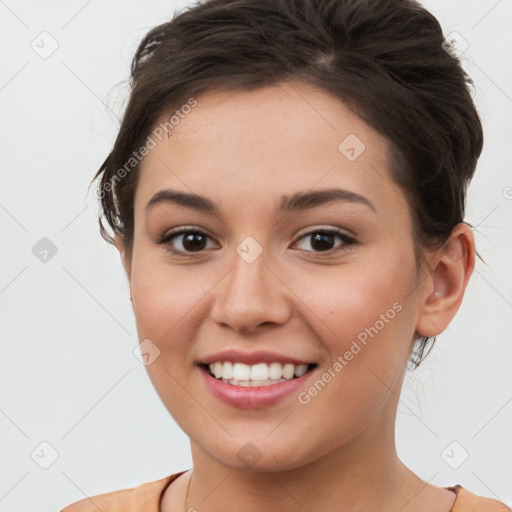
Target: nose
(252,296)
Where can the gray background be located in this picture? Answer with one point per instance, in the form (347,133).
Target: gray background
(67,371)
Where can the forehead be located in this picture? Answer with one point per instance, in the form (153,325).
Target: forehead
(259,144)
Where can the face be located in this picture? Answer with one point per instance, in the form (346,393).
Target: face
(330,282)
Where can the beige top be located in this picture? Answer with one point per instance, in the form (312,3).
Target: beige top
(147,497)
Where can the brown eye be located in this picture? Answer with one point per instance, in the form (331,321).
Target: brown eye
(322,240)
(187,240)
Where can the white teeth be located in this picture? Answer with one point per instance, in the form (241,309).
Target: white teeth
(241,371)
(217,370)
(288,371)
(252,383)
(275,371)
(261,373)
(227,370)
(301,370)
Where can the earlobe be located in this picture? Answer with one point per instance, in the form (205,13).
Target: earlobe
(452,266)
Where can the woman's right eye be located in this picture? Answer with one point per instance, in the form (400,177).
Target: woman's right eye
(191,241)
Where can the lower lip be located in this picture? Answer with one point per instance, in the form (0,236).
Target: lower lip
(251,397)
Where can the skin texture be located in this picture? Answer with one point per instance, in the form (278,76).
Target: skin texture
(243,150)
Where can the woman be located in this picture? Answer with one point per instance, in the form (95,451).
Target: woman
(287,194)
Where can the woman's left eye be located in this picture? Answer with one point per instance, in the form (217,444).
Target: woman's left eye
(194,241)
(321,239)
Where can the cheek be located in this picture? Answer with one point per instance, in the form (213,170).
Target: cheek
(168,301)
(367,324)
(369,328)
(160,302)
(167,305)
(354,299)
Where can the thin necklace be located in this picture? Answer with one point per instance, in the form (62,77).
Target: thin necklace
(188,487)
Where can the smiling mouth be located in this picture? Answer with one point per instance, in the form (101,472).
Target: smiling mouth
(298,372)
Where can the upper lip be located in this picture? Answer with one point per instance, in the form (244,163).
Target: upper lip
(250,358)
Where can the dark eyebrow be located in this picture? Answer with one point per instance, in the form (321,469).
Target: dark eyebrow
(305,200)
(288,203)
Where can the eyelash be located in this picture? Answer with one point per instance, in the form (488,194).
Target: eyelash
(168,237)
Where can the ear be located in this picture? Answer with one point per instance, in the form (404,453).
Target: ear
(451,268)
(119,243)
